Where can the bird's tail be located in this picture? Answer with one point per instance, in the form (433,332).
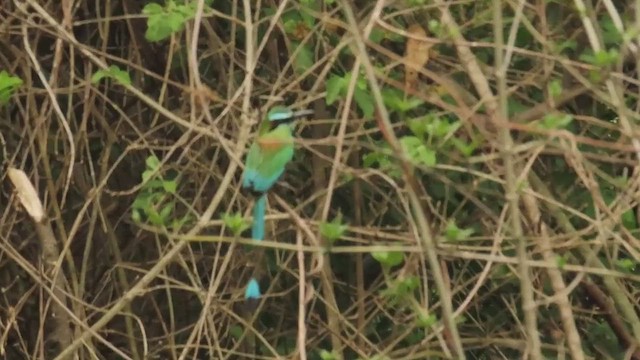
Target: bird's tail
(259,209)
(252,292)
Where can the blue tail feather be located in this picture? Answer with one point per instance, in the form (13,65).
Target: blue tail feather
(253,290)
(259,209)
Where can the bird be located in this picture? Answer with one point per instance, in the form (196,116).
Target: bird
(265,163)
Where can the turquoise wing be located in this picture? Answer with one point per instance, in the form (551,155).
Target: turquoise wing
(254,158)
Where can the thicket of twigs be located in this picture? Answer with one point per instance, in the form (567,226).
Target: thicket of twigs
(467,188)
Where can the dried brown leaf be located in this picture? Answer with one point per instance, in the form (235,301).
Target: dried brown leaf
(416,55)
(27,194)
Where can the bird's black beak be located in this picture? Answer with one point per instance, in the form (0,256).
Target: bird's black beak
(301,113)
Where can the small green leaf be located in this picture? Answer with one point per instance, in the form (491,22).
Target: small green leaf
(170,186)
(377,35)
(333,230)
(561,261)
(164,22)
(152,162)
(236,223)
(439,127)
(146,175)
(175,21)
(236,331)
(610,34)
(626,265)
(335,85)
(379,357)
(426,321)
(388,258)
(417,152)
(178,223)
(364,101)
(465,147)
(166,211)
(8,85)
(154,217)
(154,184)
(136,216)
(601,58)
(152,9)
(418,126)
(328,355)
(304,59)
(113,72)
(515,107)
(453,233)
(407,285)
(555,88)
(555,121)
(401,289)
(434,26)
(629,220)
(395,99)
(565,45)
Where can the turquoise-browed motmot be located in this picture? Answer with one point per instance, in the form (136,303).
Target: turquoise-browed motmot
(265,163)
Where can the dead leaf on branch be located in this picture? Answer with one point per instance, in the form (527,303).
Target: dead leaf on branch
(416,55)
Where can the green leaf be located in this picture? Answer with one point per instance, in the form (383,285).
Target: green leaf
(407,285)
(388,258)
(8,85)
(335,85)
(170,186)
(601,58)
(555,88)
(439,127)
(304,59)
(377,35)
(426,321)
(113,72)
(146,175)
(417,152)
(515,107)
(629,220)
(333,230)
(235,222)
(166,211)
(610,34)
(453,233)
(364,101)
(155,184)
(418,126)
(236,331)
(555,121)
(328,355)
(178,223)
(561,261)
(570,44)
(465,147)
(401,289)
(136,216)
(152,162)
(154,217)
(395,99)
(436,29)
(152,9)
(164,22)
(626,265)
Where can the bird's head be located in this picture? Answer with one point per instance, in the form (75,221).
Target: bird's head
(282,114)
